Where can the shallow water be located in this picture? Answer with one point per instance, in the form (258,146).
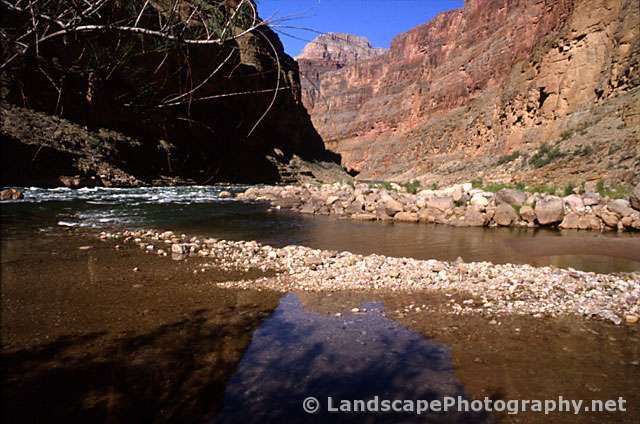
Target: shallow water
(351,356)
(86,339)
(198,210)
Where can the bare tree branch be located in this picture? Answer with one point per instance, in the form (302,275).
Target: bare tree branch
(175,23)
(206,80)
(275,92)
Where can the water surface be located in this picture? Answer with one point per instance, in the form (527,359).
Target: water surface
(199,210)
(87,339)
(347,357)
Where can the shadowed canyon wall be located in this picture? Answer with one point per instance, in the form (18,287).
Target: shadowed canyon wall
(98,104)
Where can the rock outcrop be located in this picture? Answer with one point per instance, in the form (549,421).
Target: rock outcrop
(330,52)
(476,91)
(11,194)
(371,202)
(149,110)
(634,199)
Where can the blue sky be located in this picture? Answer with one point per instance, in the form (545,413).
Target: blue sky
(378,20)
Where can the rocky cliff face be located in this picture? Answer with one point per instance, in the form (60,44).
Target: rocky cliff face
(477,91)
(330,52)
(122,108)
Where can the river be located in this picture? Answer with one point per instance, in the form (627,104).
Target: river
(87,338)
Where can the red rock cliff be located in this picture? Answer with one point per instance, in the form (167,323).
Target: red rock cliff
(494,77)
(330,52)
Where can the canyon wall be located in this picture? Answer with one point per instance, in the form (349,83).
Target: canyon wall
(122,108)
(330,52)
(475,92)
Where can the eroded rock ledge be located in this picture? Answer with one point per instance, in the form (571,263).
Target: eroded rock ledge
(488,289)
(458,205)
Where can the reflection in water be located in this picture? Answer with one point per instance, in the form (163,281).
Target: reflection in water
(295,354)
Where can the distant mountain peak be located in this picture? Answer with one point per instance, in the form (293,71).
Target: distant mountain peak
(339,47)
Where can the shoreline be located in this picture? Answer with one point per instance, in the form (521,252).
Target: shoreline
(86,310)
(487,289)
(459,205)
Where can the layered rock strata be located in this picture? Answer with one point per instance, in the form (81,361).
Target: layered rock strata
(476,91)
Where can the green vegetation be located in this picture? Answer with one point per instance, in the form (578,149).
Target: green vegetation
(434,186)
(508,158)
(568,189)
(477,183)
(566,135)
(412,186)
(613,148)
(494,187)
(458,203)
(491,186)
(583,150)
(543,188)
(618,191)
(545,155)
(386,185)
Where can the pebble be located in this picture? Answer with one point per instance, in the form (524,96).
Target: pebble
(487,288)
